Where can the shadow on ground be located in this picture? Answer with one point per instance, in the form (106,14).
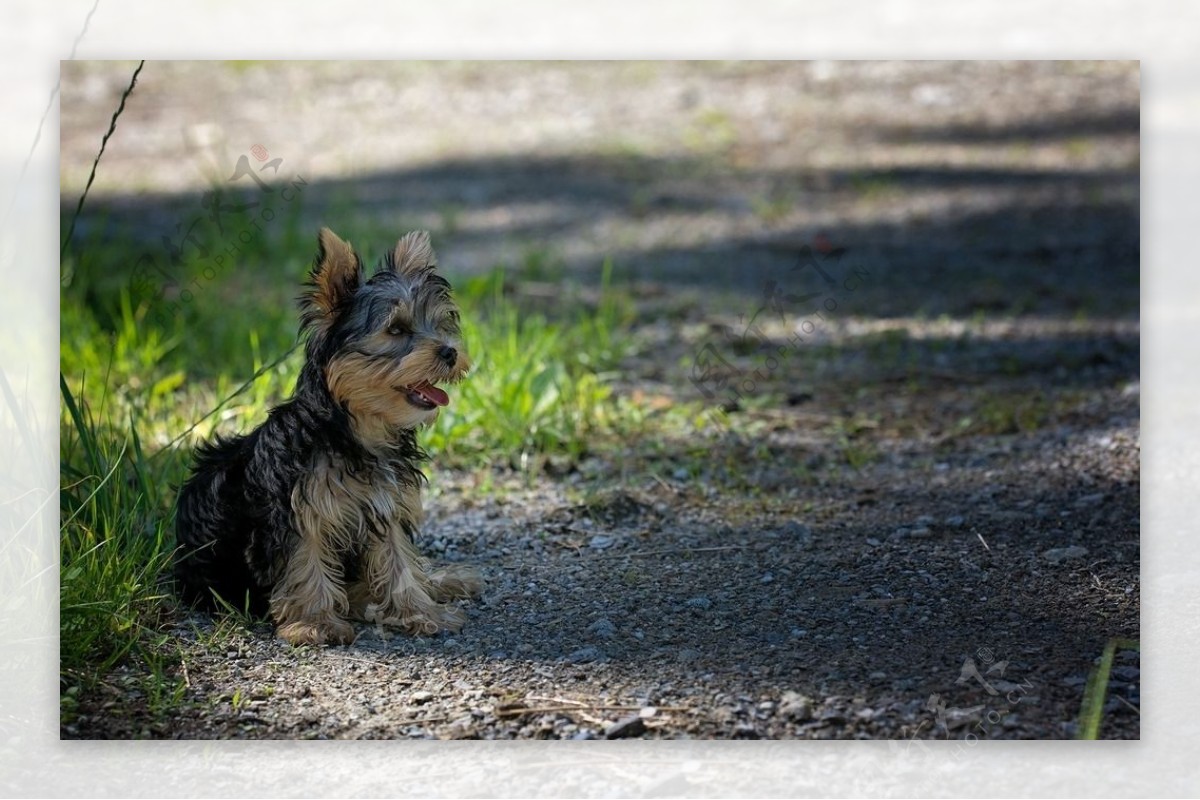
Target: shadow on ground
(946,239)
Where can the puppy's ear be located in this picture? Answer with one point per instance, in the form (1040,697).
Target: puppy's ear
(336,276)
(412,256)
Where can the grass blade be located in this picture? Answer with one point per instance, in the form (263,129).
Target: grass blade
(1092,711)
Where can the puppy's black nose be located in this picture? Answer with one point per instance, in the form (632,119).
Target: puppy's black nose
(448,354)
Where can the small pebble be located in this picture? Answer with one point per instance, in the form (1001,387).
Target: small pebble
(795,706)
(1126,673)
(603,628)
(1057,555)
(626,728)
(584,655)
(794,528)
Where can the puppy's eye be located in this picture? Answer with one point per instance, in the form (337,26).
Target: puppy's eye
(396,329)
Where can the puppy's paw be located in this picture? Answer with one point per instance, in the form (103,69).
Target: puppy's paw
(455,582)
(432,620)
(330,631)
(425,621)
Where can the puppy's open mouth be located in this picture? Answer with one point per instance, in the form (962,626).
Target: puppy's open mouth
(424,395)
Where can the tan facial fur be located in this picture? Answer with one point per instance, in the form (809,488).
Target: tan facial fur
(371,386)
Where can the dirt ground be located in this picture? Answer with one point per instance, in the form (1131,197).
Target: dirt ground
(934,529)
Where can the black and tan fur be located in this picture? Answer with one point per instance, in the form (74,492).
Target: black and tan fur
(311,517)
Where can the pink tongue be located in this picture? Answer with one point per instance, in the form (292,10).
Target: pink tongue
(432,394)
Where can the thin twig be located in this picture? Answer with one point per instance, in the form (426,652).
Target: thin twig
(664,484)
(674,551)
(37,136)
(223,402)
(372,662)
(1136,710)
(544,699)
(518,711)
(112,126)
(423,720)
(578,548)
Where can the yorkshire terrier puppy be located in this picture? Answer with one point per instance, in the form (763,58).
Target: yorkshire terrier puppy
(311,516)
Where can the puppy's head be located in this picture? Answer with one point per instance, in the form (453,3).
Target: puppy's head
(383,344)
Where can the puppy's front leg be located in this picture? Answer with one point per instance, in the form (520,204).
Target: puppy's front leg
(404,593)
(403,590)
(309,603)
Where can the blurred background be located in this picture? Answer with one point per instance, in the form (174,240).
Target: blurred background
(959,191)
(1006,185)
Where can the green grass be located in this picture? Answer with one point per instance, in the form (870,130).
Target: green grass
(711,130)
(773,207)
(1008,413)
(874,185)
(114,542)
(1091,713)
(140,387)
(538,385)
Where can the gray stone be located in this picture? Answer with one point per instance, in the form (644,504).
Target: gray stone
(584,655)
(1057,555)
(795,706)
(603,628)
(629,727)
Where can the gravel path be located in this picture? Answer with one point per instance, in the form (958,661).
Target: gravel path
(665,609)
(936,529)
